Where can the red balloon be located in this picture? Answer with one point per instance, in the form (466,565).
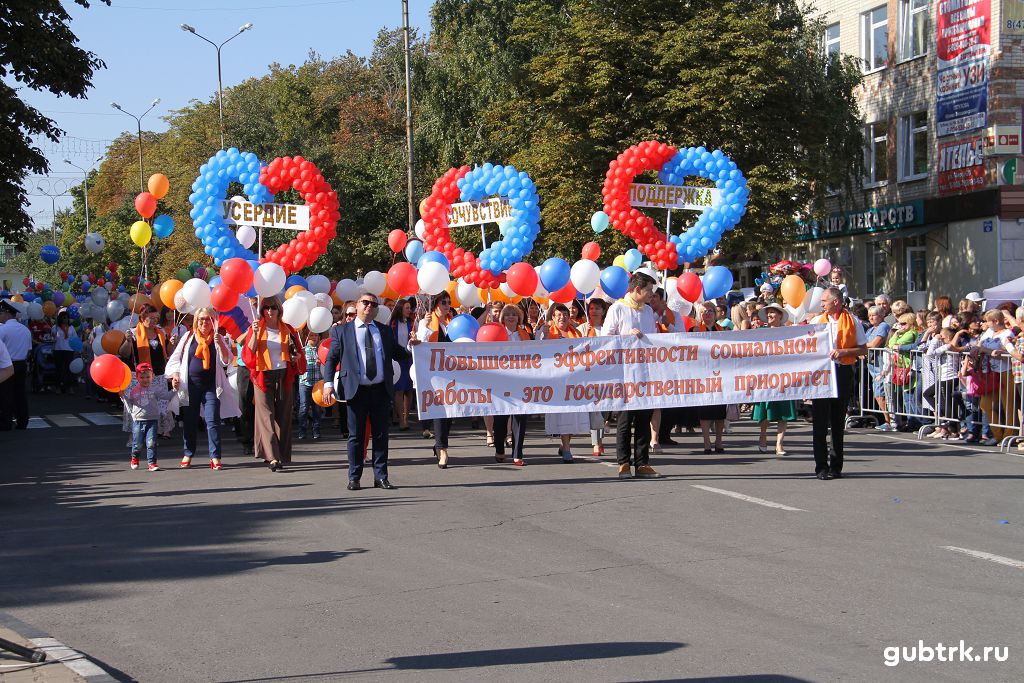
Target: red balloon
(591,251)
(492,332)
(522,279)
(145,204)
(564,295)
(397,239)
(322,350)
(689,286)
(101,281)
(223,297)
(402,279)
(108,371)
(237,274)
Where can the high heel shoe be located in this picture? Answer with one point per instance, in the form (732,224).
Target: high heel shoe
(762,449)
(437,454)
(274,465)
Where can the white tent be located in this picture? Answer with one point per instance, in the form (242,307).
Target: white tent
(1012,291)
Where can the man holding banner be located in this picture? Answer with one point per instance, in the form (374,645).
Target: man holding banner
(632,316)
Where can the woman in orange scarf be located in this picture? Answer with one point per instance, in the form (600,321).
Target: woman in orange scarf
(564,425)
(275,357)
(434,328)
(147,343)
(512,317)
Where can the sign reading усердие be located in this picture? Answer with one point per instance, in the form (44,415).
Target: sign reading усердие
(284,216)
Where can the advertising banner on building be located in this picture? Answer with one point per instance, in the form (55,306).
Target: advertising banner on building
(622,373)
(962,165)
(963,40)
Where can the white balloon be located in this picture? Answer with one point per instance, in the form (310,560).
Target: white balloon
(115,310)
(320,320)
(347,290)
(324,301)
(94,242)
(35,311)
(467,294)
(584,275)
(796,315)
(246,235)
(506,290)
(180,305)
(269,279)
(541,292)
(124,299)
(295,312)
(109,286)
(420,230)
(432,278)
(97,344)
(812,302)
(196,293)
(318,284)
(374,282)
(76,366)
(383,315)
(100,296)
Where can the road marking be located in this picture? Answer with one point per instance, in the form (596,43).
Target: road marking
(101,418)
(38,423)
(749,499)
(72,659)
(981,555)
(66,420)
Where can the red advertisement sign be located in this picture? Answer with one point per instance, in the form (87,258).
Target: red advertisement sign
(963,29)
(962,165)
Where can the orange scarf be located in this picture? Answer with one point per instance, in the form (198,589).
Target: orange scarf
(523,334)
(668,320)
(263,362)
(203,345)
(142,343)
(846,336)
(555,333)
(434,325)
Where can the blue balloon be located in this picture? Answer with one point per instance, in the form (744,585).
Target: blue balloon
(554,273)
(633,258)
(214,281)
(75,343)
(50,254)
(86,285)
(463,327)
(28,296)
(614,281)
(296,280)
(599,222)
(163,226)
(413,251)
(717,281)
(429,256)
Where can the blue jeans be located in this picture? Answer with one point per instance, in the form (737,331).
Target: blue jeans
(205,398)
(975,419)
(144,430)
(308,409)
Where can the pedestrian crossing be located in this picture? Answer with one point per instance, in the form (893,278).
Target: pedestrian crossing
(74,420)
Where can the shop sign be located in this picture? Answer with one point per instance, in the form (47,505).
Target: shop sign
(1002,139)
(871,219)
(961,166)
(1008,172)
(963,37)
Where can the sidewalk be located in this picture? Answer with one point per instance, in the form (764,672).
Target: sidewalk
(62,665)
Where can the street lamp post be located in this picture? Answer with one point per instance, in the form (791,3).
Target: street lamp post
(85,173)
(220,82)
(408,118)
(53,207)
(138,120)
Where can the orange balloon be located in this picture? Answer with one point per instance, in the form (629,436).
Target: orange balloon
(127,379)
(389,293)
(49,309)
(292,291)
(423,206)
(452,287)
(18,298)
(793,290)
(318,396)
(137,301)
(158,185)
(498,295)
(111,341)
(167,291)
(338,301)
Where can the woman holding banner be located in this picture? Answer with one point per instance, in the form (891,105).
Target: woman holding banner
(434,328)
(779,412)
(512,318)
(596,310)
(563,425)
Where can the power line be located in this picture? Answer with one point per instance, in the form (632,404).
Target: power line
(235,9)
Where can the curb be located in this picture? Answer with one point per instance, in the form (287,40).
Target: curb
(79,664)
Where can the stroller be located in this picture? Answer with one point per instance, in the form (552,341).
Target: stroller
(44,369)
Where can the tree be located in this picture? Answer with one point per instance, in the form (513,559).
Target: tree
(38,50)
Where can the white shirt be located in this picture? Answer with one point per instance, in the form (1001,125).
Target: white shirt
(621,319)
(274,349)
(833,323)
(1003,341)
(5,357)
(61,343)
(18,339)
(362,329)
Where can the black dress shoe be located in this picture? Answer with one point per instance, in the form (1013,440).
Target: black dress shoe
(353,485)
(383,484)
(824,476)
(836,474)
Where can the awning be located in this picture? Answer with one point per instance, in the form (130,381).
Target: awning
(906,233)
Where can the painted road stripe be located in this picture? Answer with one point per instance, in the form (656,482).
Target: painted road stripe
(72,659)
(749,499)
(66,420)
(101,418)
(38,423)
(981,555)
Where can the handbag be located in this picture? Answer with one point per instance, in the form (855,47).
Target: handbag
(986,379)
(901,375)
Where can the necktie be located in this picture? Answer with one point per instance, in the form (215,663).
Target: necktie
(371,356)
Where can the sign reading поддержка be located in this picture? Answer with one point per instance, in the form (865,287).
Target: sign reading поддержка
(284,216)
(624,373)
(672,196)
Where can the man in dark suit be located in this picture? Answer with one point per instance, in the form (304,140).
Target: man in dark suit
(365,349)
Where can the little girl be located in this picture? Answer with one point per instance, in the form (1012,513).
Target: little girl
(145,402)
(308,409)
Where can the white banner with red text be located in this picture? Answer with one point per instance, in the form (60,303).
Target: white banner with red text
(623,373)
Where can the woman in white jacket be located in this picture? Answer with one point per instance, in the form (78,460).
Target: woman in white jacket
(197,369)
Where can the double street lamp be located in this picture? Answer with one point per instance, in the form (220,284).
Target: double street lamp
(86,173)
(220,81)
(138,120)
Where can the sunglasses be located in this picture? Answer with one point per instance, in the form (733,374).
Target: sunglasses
(350,314)
(370,304)
(270,308)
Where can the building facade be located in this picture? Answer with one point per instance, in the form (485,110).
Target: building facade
(941,210)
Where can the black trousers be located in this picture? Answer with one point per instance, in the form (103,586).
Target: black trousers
(13,399)
(518,434)
(442,427)
(62,359)
(633,426)
(371,401)
(829,413)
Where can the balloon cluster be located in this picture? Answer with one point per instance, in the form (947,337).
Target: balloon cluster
(141,232)
(302,175)
(109,372)
(210,188)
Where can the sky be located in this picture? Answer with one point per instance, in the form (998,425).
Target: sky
(149,56)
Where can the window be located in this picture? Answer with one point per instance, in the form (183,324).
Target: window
(913,28)
(831,40)
(875,270)
(874,47)
(876,154)
(913,141)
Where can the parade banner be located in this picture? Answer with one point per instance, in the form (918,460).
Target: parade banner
(623,373)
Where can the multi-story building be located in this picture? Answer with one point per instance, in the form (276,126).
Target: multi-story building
(940,211)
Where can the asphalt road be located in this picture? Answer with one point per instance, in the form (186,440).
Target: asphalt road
(550,572)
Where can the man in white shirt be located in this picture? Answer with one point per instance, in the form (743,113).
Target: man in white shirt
(18,339)
(632,315)
(6,366)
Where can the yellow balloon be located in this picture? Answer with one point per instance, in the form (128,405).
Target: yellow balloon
(141,233)
(620,261)
(793,290)
(18,298)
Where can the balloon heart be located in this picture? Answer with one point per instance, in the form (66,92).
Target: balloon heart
(673,166)
(519,230)
(260,183)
